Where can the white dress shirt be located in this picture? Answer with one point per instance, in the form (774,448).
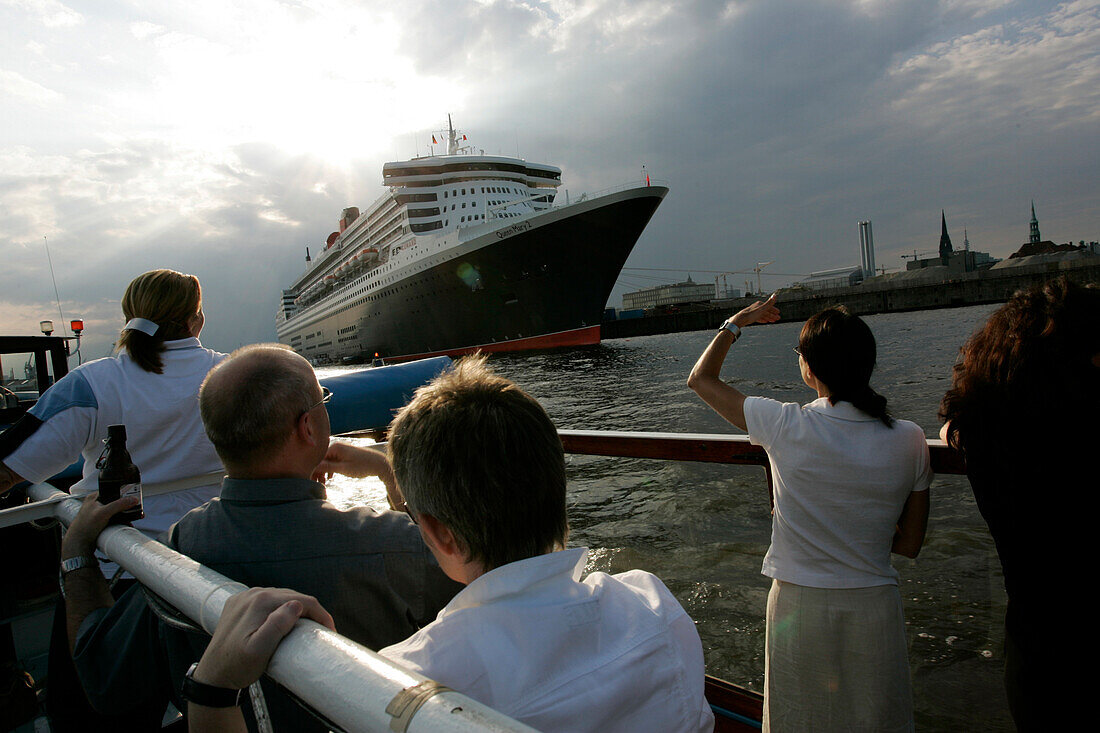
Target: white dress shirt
(530,639)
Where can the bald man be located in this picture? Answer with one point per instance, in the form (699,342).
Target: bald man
(263,410)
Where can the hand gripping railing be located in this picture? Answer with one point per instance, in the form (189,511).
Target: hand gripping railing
(350,685)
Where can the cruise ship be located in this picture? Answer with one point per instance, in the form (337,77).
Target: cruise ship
(464,252)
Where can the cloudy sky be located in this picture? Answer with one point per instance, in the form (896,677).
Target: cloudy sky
(223,138)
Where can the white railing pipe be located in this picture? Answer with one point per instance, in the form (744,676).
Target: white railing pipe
(43,509)
(347,683)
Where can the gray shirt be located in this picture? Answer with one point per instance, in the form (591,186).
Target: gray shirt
(369,569)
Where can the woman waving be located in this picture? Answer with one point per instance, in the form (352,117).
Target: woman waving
(850,487)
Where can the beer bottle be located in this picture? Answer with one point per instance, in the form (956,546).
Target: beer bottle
(118,476)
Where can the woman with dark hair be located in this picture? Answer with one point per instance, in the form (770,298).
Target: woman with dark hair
(1023,409)
(850,486)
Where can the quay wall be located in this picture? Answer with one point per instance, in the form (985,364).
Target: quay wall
(876,296)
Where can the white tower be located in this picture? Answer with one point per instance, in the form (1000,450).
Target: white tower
(866,249)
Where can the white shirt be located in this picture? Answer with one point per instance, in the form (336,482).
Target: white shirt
(611,653)
(841,478)
(164,433)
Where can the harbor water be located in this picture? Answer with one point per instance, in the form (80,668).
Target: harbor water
(704,528)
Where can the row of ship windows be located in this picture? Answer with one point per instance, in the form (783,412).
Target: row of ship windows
(379,295)
(418,228)
(484,189)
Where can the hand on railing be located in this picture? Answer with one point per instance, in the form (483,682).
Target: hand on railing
(91,520)
(251,626)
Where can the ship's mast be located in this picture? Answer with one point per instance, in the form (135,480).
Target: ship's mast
(452,140)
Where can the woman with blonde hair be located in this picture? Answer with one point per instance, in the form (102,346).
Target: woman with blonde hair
(151,386)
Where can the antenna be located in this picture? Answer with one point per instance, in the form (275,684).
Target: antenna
(54,279)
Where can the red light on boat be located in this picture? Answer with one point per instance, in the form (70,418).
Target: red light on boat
(77,325)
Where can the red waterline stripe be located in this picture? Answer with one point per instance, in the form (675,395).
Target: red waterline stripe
(578,337)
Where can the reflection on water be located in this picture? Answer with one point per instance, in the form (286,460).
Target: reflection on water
(704,528)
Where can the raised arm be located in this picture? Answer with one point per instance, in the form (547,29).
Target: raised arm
(357,462)
(705,379)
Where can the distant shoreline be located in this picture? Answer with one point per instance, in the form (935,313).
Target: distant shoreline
(874,296)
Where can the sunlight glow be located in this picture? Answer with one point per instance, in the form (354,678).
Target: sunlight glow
(325,81)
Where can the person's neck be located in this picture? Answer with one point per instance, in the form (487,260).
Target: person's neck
(266,470)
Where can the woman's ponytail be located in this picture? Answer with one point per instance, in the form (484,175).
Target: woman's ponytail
(167,299)
(869,401)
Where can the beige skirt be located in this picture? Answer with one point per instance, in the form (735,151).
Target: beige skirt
(836,660)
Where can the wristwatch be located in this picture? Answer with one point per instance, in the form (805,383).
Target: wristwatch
(732,327)
(206,695)
(70,564)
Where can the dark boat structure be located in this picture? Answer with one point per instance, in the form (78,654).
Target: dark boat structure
(464,252)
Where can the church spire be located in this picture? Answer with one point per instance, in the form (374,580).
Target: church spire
(945,239)
(1034,237)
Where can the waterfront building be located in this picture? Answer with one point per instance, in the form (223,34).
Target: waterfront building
(688,291)
(840,277)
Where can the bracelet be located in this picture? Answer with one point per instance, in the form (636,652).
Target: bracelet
(70,564)
(731,326)
(209,696)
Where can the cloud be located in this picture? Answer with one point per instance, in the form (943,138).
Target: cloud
(239,220)
(20,90)
(1044,69)
(49,13)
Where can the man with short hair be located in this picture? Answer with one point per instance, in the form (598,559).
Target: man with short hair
(263,410)
(482,469)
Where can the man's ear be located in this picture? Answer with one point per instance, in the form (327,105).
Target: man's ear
(440,538)
(306,428)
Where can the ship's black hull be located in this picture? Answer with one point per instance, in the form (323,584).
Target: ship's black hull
(540,283)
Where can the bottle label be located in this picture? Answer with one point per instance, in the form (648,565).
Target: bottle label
(130,490)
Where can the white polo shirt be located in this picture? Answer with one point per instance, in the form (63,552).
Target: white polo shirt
(164,432)
(530,639)
(841,478)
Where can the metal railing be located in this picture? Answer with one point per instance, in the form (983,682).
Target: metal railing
(357,686)
(349,684)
